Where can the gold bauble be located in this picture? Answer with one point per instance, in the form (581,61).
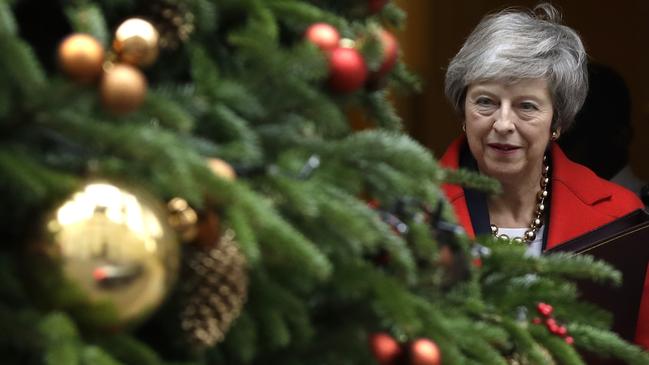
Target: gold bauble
(116,247)
(183,219)
(136,42)
(222,169)
(122,88)
(81,56)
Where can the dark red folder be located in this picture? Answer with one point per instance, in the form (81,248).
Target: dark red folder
(623,243)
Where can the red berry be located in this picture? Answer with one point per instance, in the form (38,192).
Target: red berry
(552,325)
(477,262)
(544,309)
(537,320)
(562,331)
(569,340)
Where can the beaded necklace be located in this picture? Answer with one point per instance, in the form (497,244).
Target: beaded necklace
(537,218)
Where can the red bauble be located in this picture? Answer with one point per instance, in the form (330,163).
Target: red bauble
(385,348)
(425,352)
(323,35)
(390,52)
(347,69)
(376,6)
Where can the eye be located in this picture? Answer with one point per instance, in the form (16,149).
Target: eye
(484,101)
(528,106)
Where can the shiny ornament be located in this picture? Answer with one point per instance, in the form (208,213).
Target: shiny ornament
(323,35)
(222,169)
(122,88)
(385,348)
(347,70)
(424,352)
(136,42)
(183,219)
(81,57)
(375,6)
(214,291)
(390,52)
(116,247)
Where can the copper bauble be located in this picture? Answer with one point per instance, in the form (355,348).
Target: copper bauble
(222,169)
(116,247)
(122,88)
(81,56)
(323,35)
(385,348)
(424,352)
(136,42)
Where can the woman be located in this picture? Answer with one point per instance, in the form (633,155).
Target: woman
(517,83)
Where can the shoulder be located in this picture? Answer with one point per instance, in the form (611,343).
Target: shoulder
(605,196)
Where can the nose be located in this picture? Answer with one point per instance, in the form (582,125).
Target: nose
(504,122)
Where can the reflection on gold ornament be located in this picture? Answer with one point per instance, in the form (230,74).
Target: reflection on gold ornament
(222,169)
(81,56)
(122,88)
(116,247)
(183,219)
(136,42)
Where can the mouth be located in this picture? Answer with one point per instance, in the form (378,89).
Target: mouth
(503,147)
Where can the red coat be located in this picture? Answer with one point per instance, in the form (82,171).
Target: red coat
(580,202)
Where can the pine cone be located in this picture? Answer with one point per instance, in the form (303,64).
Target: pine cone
(215,290)
(173,20)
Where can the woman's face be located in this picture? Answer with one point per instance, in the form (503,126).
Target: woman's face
(508,127)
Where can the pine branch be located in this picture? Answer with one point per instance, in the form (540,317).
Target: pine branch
(167,113)
(22,66)
(472,180)
(524,342)
(607,344)
(206,15)
(383,112)
(62,342)
(298,15)
(88,18)
(127,349)
(8,25)
(561,351)
(245,234)
(580,267)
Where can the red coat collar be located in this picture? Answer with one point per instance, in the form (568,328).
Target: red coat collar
(581,201)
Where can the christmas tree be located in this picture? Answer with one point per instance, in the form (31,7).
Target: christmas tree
(182,185)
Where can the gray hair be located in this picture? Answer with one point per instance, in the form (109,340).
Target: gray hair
(514,44)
